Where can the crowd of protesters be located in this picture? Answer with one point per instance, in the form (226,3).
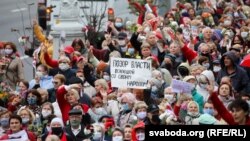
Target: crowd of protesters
(72,99)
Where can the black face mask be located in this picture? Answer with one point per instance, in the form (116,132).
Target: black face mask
(57,130)
(156,119)
(205,54)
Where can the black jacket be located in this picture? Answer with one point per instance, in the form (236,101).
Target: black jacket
(79,137)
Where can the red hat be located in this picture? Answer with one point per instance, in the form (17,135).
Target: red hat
(69,49)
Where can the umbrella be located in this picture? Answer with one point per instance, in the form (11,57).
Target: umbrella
(246,61)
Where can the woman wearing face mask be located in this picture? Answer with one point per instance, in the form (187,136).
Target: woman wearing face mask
(14,66)
(97,110)
(192,113)
(56,129)
(98,134)
(27,116)
(47,112)
(33,101)
(4,121)
(126,115)
(118,134)
(141,112)
(138,132)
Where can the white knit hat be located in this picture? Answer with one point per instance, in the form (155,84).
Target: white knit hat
(56,119)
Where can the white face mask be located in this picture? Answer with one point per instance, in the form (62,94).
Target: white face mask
(106,77)
(206,65)
(170,98)
(141,38)
(97,135)
(63,66)
(124,49)
(243,34)
(39,74)
(117,138)
(141,115)
(46,113)
(217,68)
(227,22)
(140,136)
(8,51)
(99,110)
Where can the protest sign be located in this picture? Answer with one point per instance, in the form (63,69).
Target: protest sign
(181,86)
(130,73)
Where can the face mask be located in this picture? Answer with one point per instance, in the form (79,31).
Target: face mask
(170,98)
(25,120)
(147,29)
(141,38)
(131,51)
(97,136)
(75,123)
(63,66)
(4,122)
(155,118)
(31,100)
(217,69)
(39,74)
(8,51)
(124,49)
(203,86)
(236,14)
(243,34)
(227,23)
(46,113)
(122,43)
(117,138)
(106,77)
(154,89)
(208,111)
(119,25)
(141,115)
(206,65)
(140,136)
(193,114)
(57,130)
(125,107)
(99,110)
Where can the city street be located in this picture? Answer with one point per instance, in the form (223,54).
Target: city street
(15,15)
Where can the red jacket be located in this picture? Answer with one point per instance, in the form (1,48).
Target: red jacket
(222,110)
(188,53)
(64,106)
(137,126)
(31,136)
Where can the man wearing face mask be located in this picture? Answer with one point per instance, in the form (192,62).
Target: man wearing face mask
(153,114)
(122,43)
(75,130)
(138,132)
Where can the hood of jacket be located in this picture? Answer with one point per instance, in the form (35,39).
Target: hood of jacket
(137,126)
(231,56)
